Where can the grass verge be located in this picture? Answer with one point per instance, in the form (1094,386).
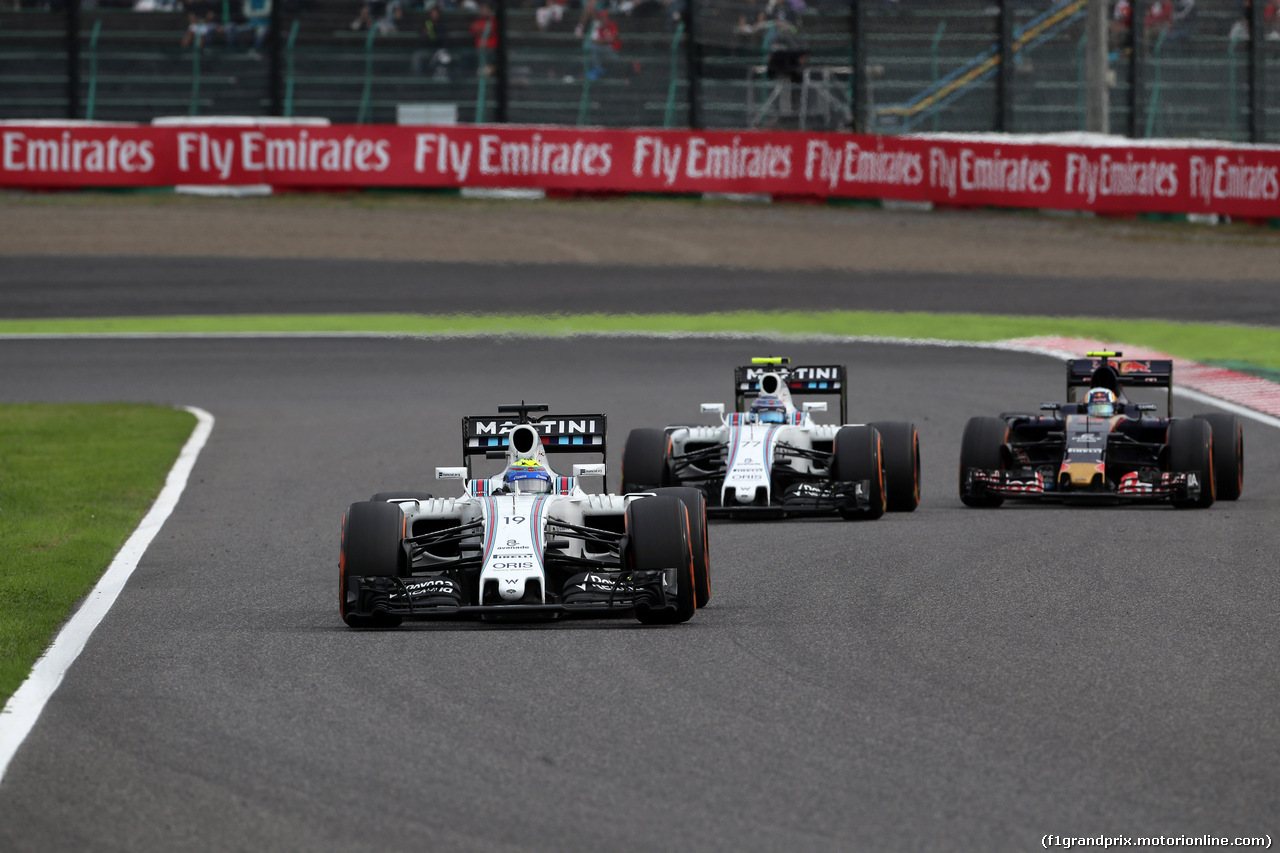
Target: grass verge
(1204,342)
(75,480)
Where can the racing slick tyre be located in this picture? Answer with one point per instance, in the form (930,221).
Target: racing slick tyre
(644,461)
(696,503)
(370,547)
(1191,450)
(900,449)
(405,495)
(658,534)
(982,447)
(857,455)
(1228,456)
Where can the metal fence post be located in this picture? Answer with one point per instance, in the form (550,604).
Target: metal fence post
(693,64)
(858,61)
(1257,74)
(500,60)
(1004,74)
(93,70)
(274,74)
(73,58)
(1137,67)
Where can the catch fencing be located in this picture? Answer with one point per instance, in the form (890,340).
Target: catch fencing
(876,66)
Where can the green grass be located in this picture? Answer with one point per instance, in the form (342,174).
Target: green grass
(75,480)
(1249,346)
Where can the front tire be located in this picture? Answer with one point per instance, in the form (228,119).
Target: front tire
(696,503)
(369,547)
(1191,450)
(1228,456)
(982,447)
(644,461)
(658,532)
(857,457)
(900,448)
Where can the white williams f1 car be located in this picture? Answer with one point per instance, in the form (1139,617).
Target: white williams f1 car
(770,459)
(526,542)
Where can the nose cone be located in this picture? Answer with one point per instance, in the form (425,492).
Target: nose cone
(745,494)
(512,593)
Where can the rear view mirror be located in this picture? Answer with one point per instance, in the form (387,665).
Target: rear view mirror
(458,473)
(713,408)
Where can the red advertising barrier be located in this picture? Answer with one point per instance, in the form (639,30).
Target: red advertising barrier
(1074,174)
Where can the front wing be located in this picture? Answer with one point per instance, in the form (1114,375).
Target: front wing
(799,499)
(1132,488)
(598,592)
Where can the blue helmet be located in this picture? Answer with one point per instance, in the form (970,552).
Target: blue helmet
(527,476)
(769,410)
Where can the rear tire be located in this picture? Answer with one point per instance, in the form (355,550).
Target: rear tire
(1191,450)
(900,449)
(696,503)
(369,547)
(1228,456)
(857,456)
(982,447)
(658,530)
(644,461)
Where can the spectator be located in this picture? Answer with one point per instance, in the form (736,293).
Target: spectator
(551,12)
(434,57)
(602,42)
(675,11)
(202,23)
(379,14)
(788,55)
(1183,26)
(1270,21)
(484,29)
(1159,18)
(1121,27)
(257,20)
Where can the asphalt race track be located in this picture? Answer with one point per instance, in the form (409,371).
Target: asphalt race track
(33,287)
(949,679)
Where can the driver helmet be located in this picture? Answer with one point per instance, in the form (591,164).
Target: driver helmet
(528,477)
(769,410)
(1101,403)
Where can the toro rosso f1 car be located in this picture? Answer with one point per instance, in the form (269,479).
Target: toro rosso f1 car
(770,459)
(525,542)
(1101,446)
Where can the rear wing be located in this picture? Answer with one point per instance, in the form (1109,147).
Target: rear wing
(1099,370)
(560,433)
(802,380)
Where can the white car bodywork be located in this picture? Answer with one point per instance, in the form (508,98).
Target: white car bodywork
(512,531)
(752,445)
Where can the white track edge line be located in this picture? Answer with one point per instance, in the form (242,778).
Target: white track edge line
(24,707)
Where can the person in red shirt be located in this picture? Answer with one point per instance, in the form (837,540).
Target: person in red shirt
(485,20)
(1159,17)
(1121,26)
